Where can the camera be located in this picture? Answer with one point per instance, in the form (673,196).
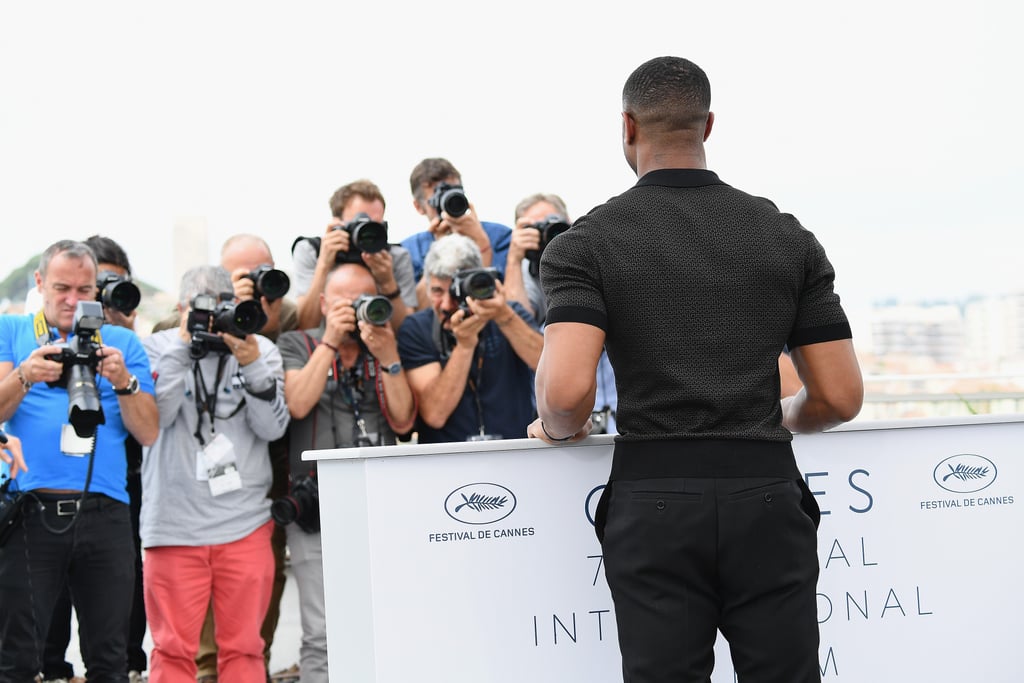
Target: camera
(364,235)
(117,292)
(210,315)
(449,199)
(269,282)
(479,283)
(301,505)
(550,228)
(373,308)
(79,357)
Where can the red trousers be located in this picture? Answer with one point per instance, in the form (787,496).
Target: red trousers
(179,584)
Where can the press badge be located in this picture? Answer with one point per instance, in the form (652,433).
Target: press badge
(216,465)
(74,445)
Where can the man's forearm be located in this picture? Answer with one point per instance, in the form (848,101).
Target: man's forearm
(526,341)
(140,416)
(442,396)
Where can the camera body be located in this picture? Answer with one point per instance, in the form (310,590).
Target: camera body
(373,308)
(550,228)
(479,283)
(449,199)
(301,505)
(80,360)
(117,292)
(269,282)
(364,235)
(210,315)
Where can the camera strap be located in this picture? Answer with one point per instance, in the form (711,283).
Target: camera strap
(473,383)
(45,335)
(206,400)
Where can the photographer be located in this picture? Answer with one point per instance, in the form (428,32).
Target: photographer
(205,515)
(120,298)
(76,527)
(345,388)
(313,258)
(539,219)
(438,195)
(469,361)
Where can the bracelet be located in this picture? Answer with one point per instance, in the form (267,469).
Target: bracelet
(486,248)
(391,295)
(552,438)
(25,384)
(329,345)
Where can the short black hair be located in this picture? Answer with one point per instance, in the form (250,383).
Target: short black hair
(109,251)
(668,92)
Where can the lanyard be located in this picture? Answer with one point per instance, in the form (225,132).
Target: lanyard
(206,401)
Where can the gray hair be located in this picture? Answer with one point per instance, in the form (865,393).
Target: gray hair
(451,254)
(552,199)
(70,249)
(212,280)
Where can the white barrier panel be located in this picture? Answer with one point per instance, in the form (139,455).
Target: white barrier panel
(478,561)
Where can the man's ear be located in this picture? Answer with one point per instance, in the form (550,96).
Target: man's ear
(628,128)
(709,124)
(39,282)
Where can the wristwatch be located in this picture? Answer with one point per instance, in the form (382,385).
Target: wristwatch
(392,369)
(130,389)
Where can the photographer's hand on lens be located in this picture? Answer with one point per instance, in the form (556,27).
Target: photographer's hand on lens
(525,238)
(341,321)
(380,340)
(245,350)
(11,454)
(333,241)
(466,328)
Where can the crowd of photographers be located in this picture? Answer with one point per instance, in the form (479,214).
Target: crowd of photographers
(205,418)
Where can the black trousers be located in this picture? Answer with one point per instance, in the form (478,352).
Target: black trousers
(95,558)
(685,557)
(55,649)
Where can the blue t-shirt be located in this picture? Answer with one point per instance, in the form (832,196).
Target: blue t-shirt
(44,410)
(499,235)
(503,382)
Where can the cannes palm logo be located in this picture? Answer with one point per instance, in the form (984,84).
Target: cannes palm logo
(965,473)
(480,503)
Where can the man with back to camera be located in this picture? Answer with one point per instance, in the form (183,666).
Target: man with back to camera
(706,522)
(313,259)
(76,527)
(437,194)
(345,388)
(469,363)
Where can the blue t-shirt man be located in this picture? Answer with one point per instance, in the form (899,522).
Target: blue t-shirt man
(500,236)
(43,411)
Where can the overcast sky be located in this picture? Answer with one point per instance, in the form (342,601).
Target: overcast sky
(892,130)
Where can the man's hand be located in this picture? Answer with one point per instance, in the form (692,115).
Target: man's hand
(382,268)
(496,308)
(38,368)
(341,321)
(116,317)
(466,328)
(244,350)
(112,366)
(11,454)
(333,241)
(380,340)
(537,430)
(524,238)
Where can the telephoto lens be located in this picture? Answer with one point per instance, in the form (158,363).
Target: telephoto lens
(119,293)
(239,319)
(450,199)
(373,308)
(366,235)
(269,282)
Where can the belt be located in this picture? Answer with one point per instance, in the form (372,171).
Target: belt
(66,507)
